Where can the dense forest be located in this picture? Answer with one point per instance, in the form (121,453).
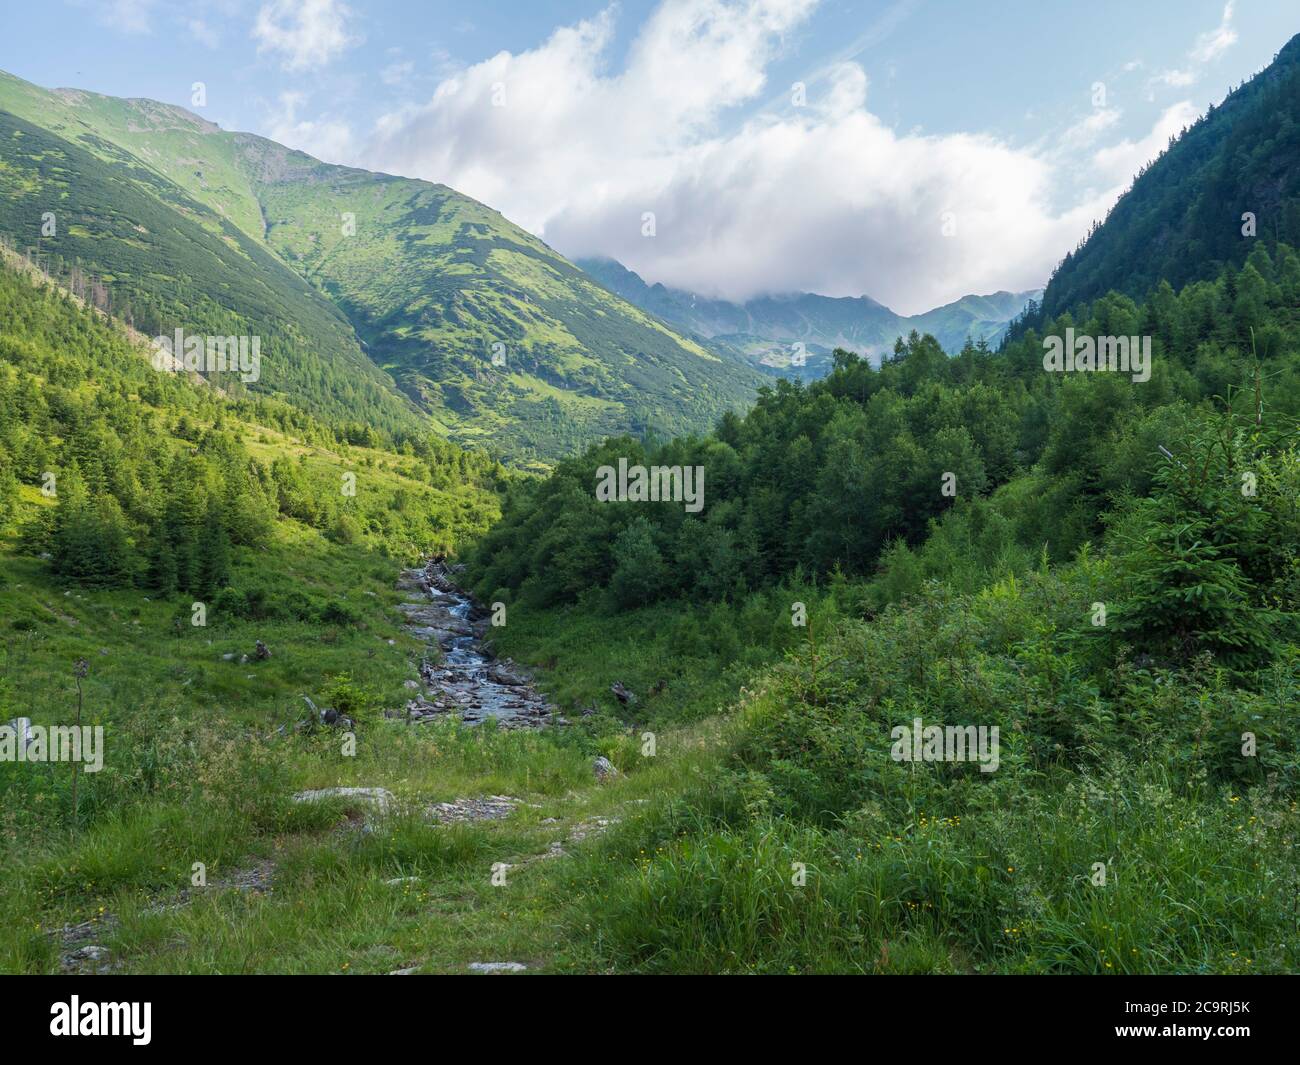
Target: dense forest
(1233,174)
(1114,585)
(154,479)
(846,475)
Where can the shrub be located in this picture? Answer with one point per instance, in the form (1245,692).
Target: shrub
(348,698)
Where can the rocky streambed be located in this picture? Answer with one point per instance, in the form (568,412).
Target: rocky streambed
(463,678)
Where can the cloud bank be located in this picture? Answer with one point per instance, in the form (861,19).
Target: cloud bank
(809,192)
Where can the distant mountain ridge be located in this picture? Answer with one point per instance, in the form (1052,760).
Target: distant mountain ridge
(471,325)
(763,330)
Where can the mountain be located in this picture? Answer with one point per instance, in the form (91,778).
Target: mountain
(1182,219)
(163,260)
(471,324)
(763,330)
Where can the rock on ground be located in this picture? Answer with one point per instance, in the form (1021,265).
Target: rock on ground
(379,798)
(91,957)
(491,808)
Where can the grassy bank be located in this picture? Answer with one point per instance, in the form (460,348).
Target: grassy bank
(774,836)
(1124,829)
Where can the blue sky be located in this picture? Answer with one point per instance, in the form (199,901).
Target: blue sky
(939,147)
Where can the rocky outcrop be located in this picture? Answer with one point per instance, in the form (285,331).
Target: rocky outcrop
(507,673)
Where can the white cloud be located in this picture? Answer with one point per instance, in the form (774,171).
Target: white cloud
(306,33)
(1176,79)
(1087,130)
(326,138)
(1215,42)
(824,198)
(1121,161)
(1209,46)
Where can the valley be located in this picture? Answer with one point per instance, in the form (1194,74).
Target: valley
(425,601)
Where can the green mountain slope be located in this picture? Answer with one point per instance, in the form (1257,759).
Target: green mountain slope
(147,461)
(168,262)
(763,330)
(1182,220)
(434,283)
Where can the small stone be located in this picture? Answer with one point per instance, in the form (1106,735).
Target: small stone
(604,769)
(380,798)
(496,967)
(91,954)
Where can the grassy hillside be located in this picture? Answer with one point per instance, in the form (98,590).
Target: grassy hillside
(433,280)
(430,280)
(135,244)
(1096,572)
(205,743)
(111,467)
